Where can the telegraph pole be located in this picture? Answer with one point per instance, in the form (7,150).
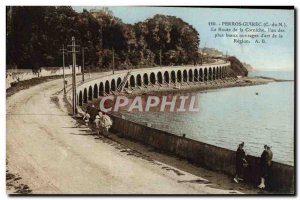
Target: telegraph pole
(74,97)
(82,68)
(63,50)
(113,60)
(226,56)
(160,57)
(202,60)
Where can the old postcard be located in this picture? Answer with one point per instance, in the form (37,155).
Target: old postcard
(150,100)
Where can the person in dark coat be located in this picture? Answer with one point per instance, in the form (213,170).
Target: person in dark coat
(265,166)
(270,156)
(240,162)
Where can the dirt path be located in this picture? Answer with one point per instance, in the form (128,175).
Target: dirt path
(52,154)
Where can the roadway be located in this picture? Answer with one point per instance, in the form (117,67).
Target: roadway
(55,155)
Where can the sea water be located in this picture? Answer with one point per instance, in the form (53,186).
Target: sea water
(256,115)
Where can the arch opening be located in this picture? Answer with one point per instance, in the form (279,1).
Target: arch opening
(113,85)
(145,79)
(90,94)
(179,76)
(139,80)
(152,78)
(132,81)
(95,91)
(101,89)
(196,76)
(80,99)
(209,74)
(173,76)
(185,76)
(201,78)
(85,98)
(221,72)
(190,75)
(119,80)
(106,87)
(166,77)
(159,78)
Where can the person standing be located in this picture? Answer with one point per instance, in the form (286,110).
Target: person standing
(265,165)
(98,122)
(86,117)
(270,156)
(240,162)
(269,163)
(105,123)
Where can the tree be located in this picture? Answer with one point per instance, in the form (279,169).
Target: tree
(35,35)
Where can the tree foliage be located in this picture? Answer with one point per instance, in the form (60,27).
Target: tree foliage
(237,67)
(35,35)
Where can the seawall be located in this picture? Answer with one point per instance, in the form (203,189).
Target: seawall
(205,155)
(198,153)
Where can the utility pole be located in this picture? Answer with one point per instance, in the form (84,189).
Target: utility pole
(82,68)
(226,56)
(63,50)
(74,97)
(160,57)
(202,60)
(113,60)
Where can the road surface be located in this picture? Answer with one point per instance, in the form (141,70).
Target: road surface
(55,155)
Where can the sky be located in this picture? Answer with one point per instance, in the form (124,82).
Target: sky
(274,55)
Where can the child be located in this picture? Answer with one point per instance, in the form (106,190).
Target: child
(105,123)
(86,118)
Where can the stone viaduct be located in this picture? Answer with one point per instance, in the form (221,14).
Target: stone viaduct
(87,91)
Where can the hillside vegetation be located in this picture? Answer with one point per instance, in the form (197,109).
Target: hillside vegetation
(36,34)
(237,67)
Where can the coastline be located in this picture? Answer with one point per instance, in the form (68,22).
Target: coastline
(241,82)
(192,87)
(46,177)
(180,163)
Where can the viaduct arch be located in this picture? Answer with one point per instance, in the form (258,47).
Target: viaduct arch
(88,91)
